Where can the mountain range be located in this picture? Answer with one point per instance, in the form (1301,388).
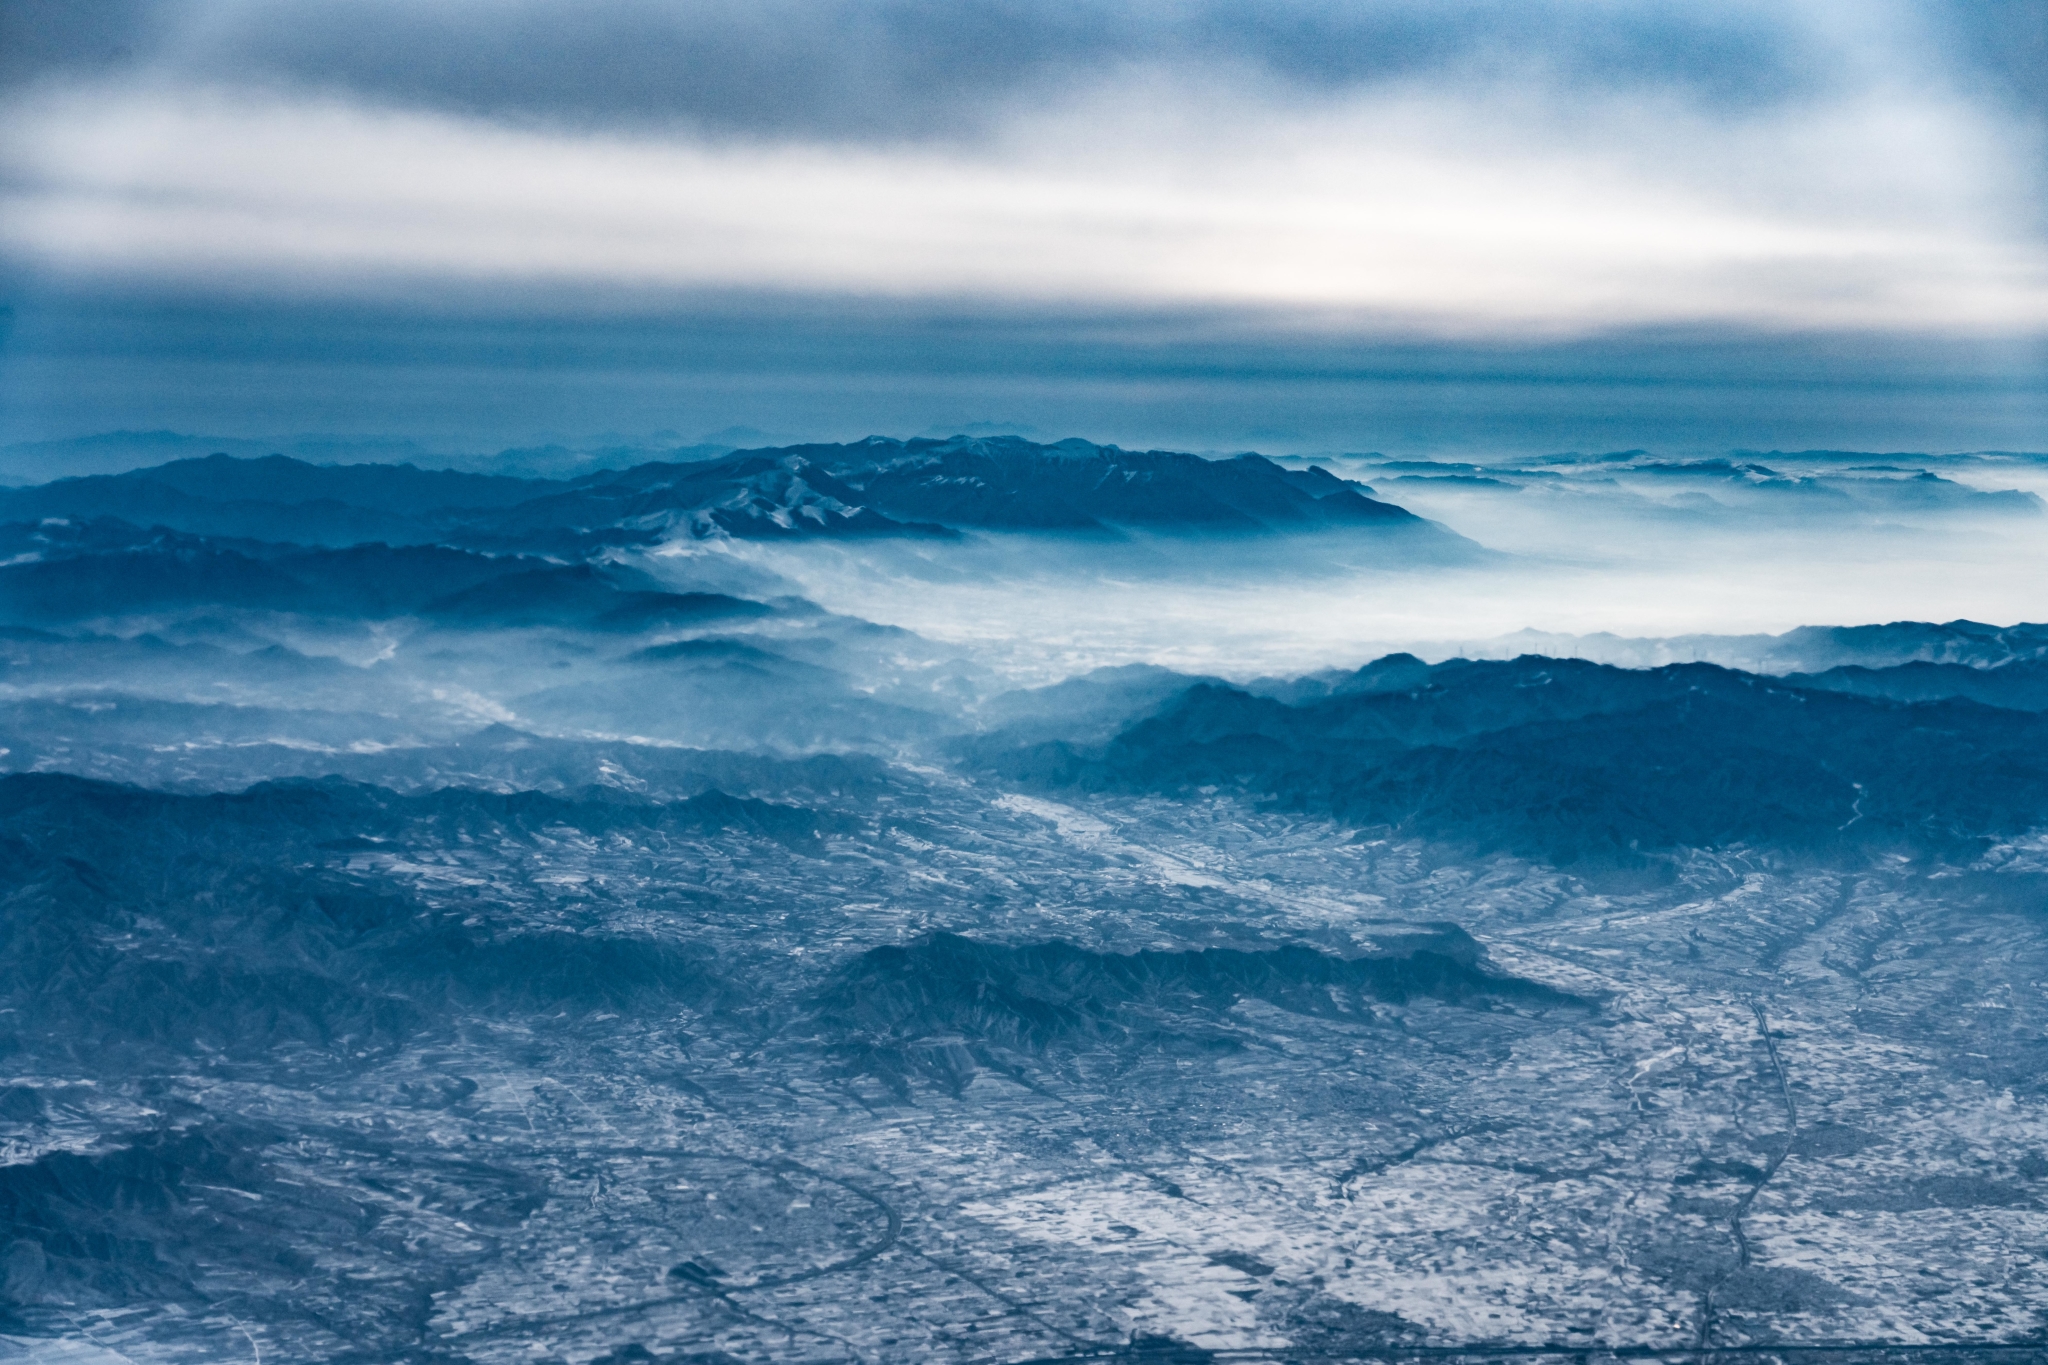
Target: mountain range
(1577,763)
(880,486)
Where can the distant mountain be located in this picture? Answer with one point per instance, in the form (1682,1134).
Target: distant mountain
(1970,643)
(279,499)
(1913,457)
(1573,762)
(401,489)
(105,568)
(1088,709)
(761,495)
(876,487)
(1803,650)
(1390,673)
(2017,684)
(1009,483)
(607,597)
(1889,488)
(112,452)
(256,499)
(1801,484)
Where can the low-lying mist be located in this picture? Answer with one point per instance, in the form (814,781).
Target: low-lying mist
(1589,560)
(216,621)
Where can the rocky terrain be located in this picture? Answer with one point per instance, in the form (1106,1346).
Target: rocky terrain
(953,1072)
(547,953)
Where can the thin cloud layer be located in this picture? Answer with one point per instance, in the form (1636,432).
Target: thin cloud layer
(1446,222)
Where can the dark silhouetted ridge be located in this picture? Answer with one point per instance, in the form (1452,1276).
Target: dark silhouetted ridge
(910,1009)
(876,487)
(1576,762)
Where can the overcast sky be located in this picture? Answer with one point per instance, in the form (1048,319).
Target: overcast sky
(1318,182)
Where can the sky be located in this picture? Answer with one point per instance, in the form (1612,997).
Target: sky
(1416,227)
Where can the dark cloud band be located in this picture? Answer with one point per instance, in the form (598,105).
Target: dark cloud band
(859,68)
(463,375)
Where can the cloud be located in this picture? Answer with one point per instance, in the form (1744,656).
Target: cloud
(1556,167)
(1399,205)
(2000,48)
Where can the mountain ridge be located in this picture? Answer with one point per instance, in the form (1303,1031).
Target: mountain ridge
(879,486)
(1573,762)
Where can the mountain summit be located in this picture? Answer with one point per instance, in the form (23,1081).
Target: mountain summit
(1008,483)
